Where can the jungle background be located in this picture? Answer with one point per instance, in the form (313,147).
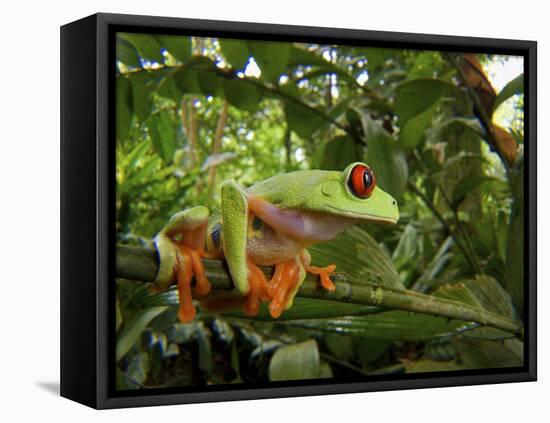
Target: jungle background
(192,112)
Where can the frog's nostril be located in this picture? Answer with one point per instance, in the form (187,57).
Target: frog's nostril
(394,203)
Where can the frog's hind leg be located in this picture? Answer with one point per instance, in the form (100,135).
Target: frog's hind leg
(250,304)
(248,279)
(282,288)
(180,245)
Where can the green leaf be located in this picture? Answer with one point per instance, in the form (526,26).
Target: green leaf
(308,308)
(377,56)
(515,243)
(472,124)
(467,185)
(205,348)
(484,292)
(242,94)
(177,45)
(133,329)
(188,81)
(146,45)
(211,84)
(271,57)
(385,156)
(340,346)
(414,129)
(235,52)
(416,96)
(138,369)
(303,119)
(141,94)
(300,56)
(118,315)
(126,53)
(123,107)
(163,134)
(515,86)
(169,88)
(425,366)
(296,362)
(340,152)
(200,77)
(390,325)
(358,255)
(407,248)
(487,354)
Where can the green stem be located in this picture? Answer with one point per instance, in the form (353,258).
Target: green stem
(445,224)
(471,253)
(140,264)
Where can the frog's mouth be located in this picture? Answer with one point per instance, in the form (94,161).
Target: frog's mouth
(366,217)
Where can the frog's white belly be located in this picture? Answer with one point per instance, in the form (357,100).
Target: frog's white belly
(267,246)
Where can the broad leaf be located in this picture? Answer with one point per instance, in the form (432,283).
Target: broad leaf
(177,45)
(303,119)
(413,130)
(147,46)
(187,80)
(515,86)
(416,96)
(487,354)
(340,152)
(271,57)
(385,156)
(141,94)
(309,308)
(515,245)
(242,94)
(133,329)
(235,52)
(296,362)
(468,185)
(163,134)
(123,107)
(126,53)
(358,255)
(390,325)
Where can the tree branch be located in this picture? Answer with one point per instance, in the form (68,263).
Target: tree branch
(483,116)
(140,264)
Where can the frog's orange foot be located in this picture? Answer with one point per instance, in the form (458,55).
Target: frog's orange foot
(258,290)
(282,284)
(188,263)
(324,274)
(250,303)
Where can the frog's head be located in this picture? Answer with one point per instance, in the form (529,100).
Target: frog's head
(352,193)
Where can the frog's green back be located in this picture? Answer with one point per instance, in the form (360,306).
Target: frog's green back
(290,190)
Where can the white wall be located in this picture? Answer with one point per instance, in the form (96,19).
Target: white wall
(29,171)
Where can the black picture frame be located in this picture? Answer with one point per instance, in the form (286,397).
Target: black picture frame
(87,207)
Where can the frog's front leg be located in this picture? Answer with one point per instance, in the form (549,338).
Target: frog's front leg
(180,245)
(323,272)
(248,278)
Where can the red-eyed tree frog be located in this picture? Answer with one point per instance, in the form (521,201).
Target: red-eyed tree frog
(270,223)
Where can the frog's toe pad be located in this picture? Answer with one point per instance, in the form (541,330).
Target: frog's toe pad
(324,274)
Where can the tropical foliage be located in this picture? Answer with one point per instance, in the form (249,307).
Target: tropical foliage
(192,112)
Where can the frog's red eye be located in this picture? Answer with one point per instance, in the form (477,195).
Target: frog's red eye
(361,181)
